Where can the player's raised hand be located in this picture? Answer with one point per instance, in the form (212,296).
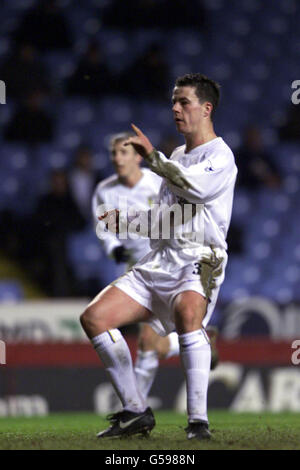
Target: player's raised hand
(140,142)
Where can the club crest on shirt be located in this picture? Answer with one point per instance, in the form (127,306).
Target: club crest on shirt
(209,167)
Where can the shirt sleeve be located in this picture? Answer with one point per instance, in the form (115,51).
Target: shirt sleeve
(108,240)
(200,182)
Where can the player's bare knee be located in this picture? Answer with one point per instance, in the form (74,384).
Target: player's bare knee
(83,319)
(186,315)
(86,318)
(92,318)
(186,320)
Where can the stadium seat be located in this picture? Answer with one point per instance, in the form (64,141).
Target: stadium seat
(11,291)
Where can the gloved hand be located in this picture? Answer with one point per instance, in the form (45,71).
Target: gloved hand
(121,255)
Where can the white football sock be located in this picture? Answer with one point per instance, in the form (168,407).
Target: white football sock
(115,355)
(174,345)
(195,355)
(145,368)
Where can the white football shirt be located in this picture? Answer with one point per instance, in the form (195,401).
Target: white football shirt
(204,177)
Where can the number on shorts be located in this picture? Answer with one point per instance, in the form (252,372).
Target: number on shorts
(198,268)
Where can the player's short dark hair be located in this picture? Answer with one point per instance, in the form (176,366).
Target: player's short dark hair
(205,88)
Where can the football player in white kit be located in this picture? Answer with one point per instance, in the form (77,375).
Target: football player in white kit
(139,187)
(178,282)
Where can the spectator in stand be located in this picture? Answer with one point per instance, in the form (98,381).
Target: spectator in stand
(256,168)
(56,217)
(23,72)
(92,77)
(45,27)
(31,123)
(83,179)
(151,75)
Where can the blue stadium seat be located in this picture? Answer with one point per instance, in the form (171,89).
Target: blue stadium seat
(60,64)
(76,112)
(14,157)
(119,50)
(51,157)
(11,291)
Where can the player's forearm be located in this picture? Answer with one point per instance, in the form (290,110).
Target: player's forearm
(166,168)
(197,183)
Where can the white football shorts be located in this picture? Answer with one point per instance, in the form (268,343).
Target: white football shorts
(155,283)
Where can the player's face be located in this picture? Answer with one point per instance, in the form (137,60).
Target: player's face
(125,160)
(189,114)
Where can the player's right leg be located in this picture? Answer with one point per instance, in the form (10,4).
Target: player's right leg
(153,347)
(111,309)
(190,309)
(168,346)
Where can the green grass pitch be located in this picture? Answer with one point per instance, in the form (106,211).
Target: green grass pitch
(68,431)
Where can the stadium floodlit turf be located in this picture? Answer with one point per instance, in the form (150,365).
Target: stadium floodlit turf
(78,431)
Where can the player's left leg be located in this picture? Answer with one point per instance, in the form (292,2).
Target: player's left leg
(109,310)
(189,310)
